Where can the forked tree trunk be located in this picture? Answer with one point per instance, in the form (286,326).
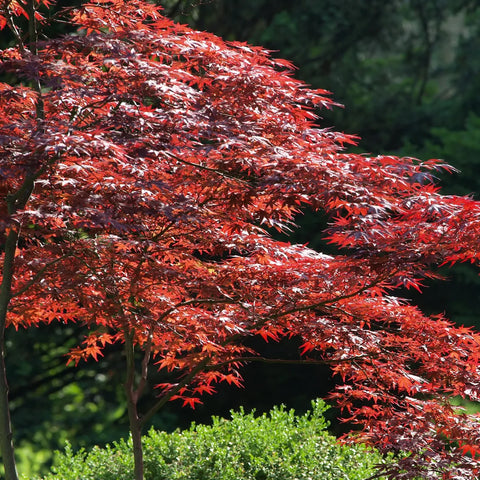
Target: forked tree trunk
(134,392)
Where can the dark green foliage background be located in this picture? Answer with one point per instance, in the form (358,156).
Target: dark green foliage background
(408,73)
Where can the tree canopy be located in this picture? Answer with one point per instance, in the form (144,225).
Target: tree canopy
(144,165)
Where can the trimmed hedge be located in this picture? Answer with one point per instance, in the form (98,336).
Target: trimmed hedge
(277,446)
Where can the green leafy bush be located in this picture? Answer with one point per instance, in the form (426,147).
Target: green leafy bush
(277,446)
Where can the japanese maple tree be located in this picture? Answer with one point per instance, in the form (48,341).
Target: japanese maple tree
(143,165)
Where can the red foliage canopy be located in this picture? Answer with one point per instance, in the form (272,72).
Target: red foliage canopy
(159,158)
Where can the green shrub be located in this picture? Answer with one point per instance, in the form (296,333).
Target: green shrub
(277,446)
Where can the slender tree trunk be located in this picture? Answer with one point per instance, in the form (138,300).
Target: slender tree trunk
(6,434)
(134,392)
(132,400)
(136,432)
(14,203)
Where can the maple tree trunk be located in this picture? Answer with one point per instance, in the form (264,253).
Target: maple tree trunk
(14,203)
(6,434)
(6,442)
(135,423)
(136,432)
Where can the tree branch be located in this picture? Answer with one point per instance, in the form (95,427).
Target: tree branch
(144,370)
(166,398)
(285,361)
(37,276)
(209,169)
(313,306)
(13,27)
